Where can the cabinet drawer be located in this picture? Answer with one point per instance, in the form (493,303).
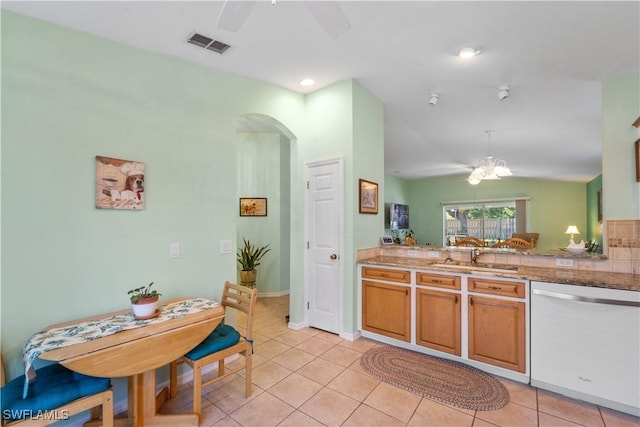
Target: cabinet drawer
(401,276)
(496,287)
(438,280)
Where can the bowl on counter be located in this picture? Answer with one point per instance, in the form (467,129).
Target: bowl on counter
(577,250)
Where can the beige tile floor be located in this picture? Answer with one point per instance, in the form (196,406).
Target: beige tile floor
(313,378)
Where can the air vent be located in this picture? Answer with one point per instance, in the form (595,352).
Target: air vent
(208,43)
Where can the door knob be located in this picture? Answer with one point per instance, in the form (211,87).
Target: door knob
(333,256)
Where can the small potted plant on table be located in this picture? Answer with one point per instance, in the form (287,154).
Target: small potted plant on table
(144,302)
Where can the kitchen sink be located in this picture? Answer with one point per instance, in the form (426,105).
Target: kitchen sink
(480,268)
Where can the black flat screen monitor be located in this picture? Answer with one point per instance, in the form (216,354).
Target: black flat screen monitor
(398,216)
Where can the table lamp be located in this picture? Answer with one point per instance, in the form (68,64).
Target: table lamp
(572,229)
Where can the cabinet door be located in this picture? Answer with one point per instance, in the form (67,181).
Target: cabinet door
(438,319)
(497,332)
(386,309)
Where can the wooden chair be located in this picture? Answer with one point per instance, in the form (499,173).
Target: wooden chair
(56,393)
(470,241)
(514,243)
(529,237)
(223,342)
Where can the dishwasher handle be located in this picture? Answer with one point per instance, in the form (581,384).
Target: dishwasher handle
(580,298)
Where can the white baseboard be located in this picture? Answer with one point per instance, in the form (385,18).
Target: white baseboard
(350,336)
(298,326)
(272,294)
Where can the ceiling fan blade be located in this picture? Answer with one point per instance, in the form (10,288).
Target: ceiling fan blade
(233,14)
(330,16)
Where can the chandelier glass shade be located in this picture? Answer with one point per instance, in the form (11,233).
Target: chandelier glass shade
(490,169)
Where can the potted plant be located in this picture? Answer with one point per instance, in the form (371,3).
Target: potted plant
(144,301)
(408,238)
(249,258)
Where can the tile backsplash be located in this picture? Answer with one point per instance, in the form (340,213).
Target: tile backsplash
(623,245)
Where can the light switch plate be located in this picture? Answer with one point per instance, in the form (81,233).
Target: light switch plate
(174,250)
(226,247)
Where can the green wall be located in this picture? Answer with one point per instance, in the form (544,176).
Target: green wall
(368,155)
(82,96)
(262,164)
(553,205)
(348,123)
(621,107)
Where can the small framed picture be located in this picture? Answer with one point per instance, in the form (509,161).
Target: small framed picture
(387,240)
(256,206)
(368,197)
(120,184)
(638,160)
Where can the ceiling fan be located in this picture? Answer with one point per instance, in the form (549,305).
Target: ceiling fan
(328,14)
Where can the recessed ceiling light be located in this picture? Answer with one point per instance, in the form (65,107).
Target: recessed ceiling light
(306,82)
(468,52)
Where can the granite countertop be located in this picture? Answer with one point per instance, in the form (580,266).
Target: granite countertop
(556,253)
(599,279)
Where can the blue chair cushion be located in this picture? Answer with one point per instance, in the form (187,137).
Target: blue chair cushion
(54,386)
(223,336)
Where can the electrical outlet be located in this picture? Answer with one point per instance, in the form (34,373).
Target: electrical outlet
(563,262)
(433,254)
(411,253)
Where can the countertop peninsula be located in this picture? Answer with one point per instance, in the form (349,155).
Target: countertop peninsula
(600,279)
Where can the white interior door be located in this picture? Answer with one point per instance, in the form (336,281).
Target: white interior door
(324,244)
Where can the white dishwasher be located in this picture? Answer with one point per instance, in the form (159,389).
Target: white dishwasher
(585,343)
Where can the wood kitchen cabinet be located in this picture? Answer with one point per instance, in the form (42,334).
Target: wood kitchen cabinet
(475,318)
(438,317)
(497,331)
(386,307)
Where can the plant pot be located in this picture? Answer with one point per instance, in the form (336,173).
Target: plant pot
(145,308)
(248,278)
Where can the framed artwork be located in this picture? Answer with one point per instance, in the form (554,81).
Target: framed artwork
(119,184)
(387,240)
(368,197)
(600,205)
(638,160)
(256,206)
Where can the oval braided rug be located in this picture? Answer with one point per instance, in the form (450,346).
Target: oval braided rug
(443,380)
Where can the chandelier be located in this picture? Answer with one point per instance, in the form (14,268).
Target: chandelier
(491,169)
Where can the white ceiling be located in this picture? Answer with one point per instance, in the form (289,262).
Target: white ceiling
(553,55)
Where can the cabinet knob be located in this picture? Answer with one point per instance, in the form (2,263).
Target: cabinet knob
(333,256)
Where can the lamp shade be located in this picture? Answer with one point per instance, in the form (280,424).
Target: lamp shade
(572,229)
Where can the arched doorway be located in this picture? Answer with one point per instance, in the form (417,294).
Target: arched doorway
(263,170)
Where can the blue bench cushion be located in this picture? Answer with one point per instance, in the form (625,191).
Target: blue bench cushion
(223,336)
(54,386)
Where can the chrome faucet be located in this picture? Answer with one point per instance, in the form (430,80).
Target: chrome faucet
(474,255)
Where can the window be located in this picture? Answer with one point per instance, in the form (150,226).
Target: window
(490,221)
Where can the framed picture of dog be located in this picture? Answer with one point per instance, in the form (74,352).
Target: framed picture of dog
(253,206)
(119,184)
